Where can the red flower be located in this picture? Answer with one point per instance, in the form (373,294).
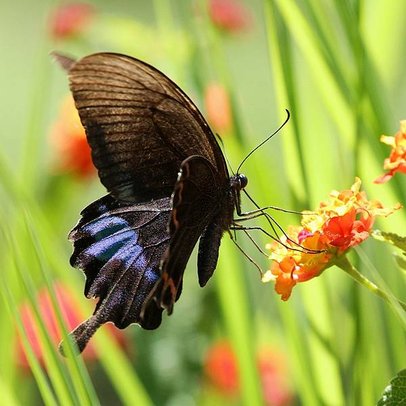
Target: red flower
(274,378)
(347,231)
(217,106)
(221,369)
(70,19)
(222,372)
(72,316)
(397,158)
(229,15)
(337,225)
(69,139)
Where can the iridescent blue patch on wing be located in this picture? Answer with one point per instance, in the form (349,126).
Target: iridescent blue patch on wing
(105,226)
(106,237)
(150,275)
(104,249)
(127,259)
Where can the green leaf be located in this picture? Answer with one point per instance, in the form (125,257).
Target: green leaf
(395,392)
(401,260)
(391,238)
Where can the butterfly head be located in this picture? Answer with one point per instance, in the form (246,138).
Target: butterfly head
(239,181)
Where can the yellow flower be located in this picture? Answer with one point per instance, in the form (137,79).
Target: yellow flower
(397,158)
(342,222)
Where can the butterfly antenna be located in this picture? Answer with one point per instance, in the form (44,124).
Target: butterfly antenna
(64,61)
(266,139)
(248,257)
(255,243)
(221,142)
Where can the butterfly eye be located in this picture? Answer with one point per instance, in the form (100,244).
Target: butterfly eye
(242,180)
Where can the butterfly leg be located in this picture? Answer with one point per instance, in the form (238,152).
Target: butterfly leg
(248,257)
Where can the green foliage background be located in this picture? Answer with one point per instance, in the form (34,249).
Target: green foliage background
(338,66)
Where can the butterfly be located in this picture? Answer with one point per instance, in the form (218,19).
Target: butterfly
(168,188)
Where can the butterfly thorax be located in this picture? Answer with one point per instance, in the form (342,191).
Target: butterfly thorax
(237,183)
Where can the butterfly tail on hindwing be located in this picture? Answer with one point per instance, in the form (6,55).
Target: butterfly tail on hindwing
(119,248)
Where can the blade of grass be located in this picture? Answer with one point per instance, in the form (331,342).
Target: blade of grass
(32,148)
(120,371)
(77,372)
(128,386)
(376,111)
(334,52)
(396,307)
(40,377)
(7,397)
(217,69)
(285,59)
(57,374)
(24,258)
(305,39)
(234,304)
(12,308)
(116,366)
(318,349)
(294,169)
(301,359)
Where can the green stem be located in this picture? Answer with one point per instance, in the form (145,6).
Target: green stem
(343,263)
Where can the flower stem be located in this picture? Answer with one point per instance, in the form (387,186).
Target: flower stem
(343,263)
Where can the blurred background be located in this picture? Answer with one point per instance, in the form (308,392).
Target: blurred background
(338,66)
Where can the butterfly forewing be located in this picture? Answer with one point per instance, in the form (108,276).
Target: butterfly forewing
(138,124)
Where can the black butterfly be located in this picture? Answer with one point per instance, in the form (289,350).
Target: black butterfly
(168,187)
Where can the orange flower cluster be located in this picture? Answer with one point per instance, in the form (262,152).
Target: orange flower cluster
(337,225)
(222,372)
(221,368)
(397,158)
(69,140)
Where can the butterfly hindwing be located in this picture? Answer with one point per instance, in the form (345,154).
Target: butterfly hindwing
(196,202)
(119,247)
